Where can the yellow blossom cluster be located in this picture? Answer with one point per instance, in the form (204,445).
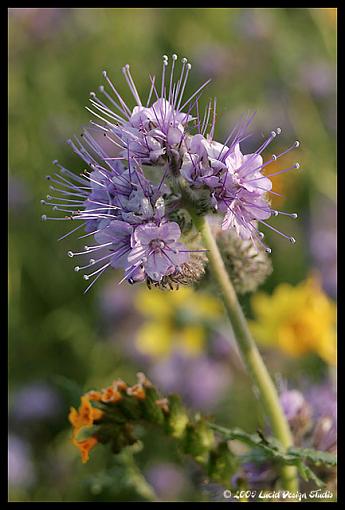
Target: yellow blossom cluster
(175,320)
(297,319)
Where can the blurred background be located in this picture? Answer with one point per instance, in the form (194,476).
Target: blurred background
(280,63)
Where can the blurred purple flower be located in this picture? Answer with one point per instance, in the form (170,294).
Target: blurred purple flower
(116,302)
(324,404)
(20,466)
(318,77)
(323,399)
(323,243)
(200,381)
(213,60)
(166,479)
(36,401)
(40,23)
(254,24)
(221,346)
(257,476)
(17,194)
(292,402)
(298,413)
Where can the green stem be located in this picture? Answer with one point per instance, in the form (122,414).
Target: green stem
(248,349)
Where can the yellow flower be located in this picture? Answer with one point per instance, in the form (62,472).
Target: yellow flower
(298,320)
(175,319)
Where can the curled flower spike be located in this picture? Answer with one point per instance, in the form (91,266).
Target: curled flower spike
(142,226)
(143,403)
(205,442)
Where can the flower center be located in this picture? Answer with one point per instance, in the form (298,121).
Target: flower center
(157,245)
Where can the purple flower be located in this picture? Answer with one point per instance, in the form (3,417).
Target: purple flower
(324,404)
(166,479)
(257,476)
(157,250)
(147,133)
(17,194)
(116,305)
(323,243)
(138,225)
(20,466)
(312,416)
(35,402)
(120,208)
(323,399)
(116,235)
(200,381)
(292,402)
(318,77)
(88,198)
(298,413)
(238,188)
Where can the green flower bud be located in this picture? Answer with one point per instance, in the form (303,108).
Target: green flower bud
(222,464)
(151,411)
(177,418)
(199,440)
(247,266)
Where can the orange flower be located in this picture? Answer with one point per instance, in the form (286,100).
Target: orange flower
(94,395)
(137,391)
(120,385)
(111,394)
(85,446)
(85,416)
(163,404)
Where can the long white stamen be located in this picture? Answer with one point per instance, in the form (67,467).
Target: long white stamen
(184,62)
(89,287)
(131,84)
(195,93)
(113,102)
(174,58)
(189,67)
(125,108)
(291,239)
(70,232)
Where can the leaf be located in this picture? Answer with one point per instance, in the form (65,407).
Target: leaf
(307,474)
(273,449)
(315,456)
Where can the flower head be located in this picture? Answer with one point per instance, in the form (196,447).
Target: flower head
(140,224)
(148,132)
(237,185)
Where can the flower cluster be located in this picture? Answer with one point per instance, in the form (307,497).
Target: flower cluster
(299,320)
(109,417)
(137,222)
